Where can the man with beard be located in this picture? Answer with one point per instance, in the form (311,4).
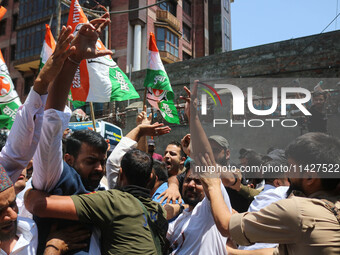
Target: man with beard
(220,148)
(84,161)
(194,231)
(130,222)
(19,235)
(306,223)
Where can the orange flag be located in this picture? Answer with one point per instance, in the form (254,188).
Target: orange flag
(3,11)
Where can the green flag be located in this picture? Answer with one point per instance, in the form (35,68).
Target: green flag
(9,99)
(159,92)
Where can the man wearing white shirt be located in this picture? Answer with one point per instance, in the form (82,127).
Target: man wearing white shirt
(274,190)
(194,231)
(19,235)
(85,155)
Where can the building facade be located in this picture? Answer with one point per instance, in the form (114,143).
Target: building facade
(184,29)
(8,40)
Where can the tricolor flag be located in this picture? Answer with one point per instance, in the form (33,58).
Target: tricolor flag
(9,99)
(100,79)
(48,47)
(159,92)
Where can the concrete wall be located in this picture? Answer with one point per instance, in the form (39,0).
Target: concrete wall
(308,57)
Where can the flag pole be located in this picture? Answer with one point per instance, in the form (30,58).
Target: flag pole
(144,100)
(92,117)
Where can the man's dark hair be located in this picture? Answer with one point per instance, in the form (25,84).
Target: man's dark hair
(160,170)
(180,146)
(3,139)
(270,177)
(137,166)
(74,142)
(254,158)
(316,148)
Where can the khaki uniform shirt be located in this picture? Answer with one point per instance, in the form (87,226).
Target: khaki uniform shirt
(301,226)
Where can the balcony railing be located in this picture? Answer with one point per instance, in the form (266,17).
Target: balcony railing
(169,18)
(167,57)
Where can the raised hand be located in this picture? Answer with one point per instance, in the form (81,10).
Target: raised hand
(187,100)
(142,117)
(56,61)
(171,194)
(190,101)
(86,39)
(185,142)
(154,129)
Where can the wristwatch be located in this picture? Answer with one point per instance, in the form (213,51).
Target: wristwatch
(235,177)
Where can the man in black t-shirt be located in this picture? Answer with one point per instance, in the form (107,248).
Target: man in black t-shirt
(317,122)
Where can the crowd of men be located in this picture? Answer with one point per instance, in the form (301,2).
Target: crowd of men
(152,203)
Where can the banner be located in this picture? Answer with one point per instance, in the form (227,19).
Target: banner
(111,132)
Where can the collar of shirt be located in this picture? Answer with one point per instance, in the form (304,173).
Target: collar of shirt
(325,195)
(268,187)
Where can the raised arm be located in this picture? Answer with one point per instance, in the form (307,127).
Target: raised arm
(203,156)
(127,143)
(48,162)
(199,140)
(26,130)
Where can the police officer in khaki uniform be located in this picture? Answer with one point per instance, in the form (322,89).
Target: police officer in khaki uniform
(308,222)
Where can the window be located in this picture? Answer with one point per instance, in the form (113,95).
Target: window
(35,9)
(3,27)
(167,41)
(13,49)
(226,43)
(226,31)
(186,56)
(160,38)
(169,6)
(186,32)
(187,7)
(226,27)
(226,5)
(14,21)
(30,39)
